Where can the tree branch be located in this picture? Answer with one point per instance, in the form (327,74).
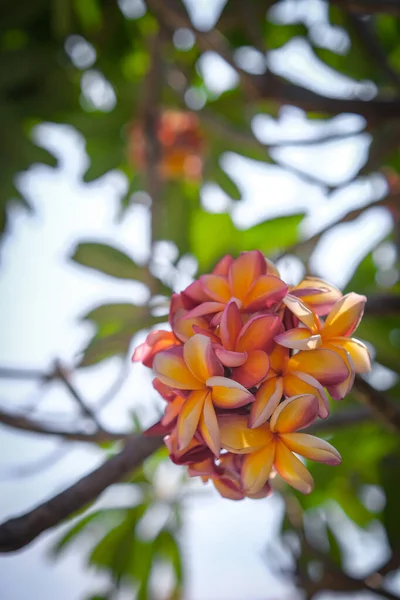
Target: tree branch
(270,86)
(383,304)
(367,7)
(18,532)
(25,423)
(380,405)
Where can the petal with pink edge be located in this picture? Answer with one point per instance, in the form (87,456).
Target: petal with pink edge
(267,399)
(279,358)
(257,468)
(200,357)
(358,352)
(194,293)
(311,447)
(303,313)
(319,295)
(227,488)
(184,328)
(294,413)
(341,389)
(209,426)
(189,417)
(155,342)
(216,287)
(345,316)
(299,338)
(244,271)
(227,393)
(205,308)
(295,383)
(230,326)
(238,438)
(258,333)
(292,470)
(325,365)
(170,368)
(253,371)
(223,265)
(229,358)
(266,291)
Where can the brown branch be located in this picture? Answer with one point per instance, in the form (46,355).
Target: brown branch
(380,405)
(370,41)
(367,7)
(25,423)
(270,86)
(20,531)
(383,304)
(310,243)
(343,418)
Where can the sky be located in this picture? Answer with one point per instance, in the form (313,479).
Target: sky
(43,294)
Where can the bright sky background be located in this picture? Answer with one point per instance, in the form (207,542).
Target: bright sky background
(43,294)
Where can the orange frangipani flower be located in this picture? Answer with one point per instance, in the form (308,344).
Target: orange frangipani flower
(333,334)
(272,445)
(245,367)
(195,368)
(295,375)
(249,280)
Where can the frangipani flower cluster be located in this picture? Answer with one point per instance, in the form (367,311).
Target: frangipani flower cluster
(247,365)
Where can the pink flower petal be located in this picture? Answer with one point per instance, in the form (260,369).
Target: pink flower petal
(205,308)
(230,359)
(230,326)
(344,316)
(171,369)
(292,470)
(303,313)
(258,333)
(244,271)
(257,467)
(295,383)
(155,342)
(294,413)
(253,370)
(266,291)
(209,427)
(189,417)
(238,438)
(222,267)
(227,393)
(200,357)
(311,447)
(267,399)
(358,352)
(299,338)
(216,287)
(325,365)
(317,294)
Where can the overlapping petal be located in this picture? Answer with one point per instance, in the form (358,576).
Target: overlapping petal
(237,437)
(253,370)
(244,271)
(227,393)
(200,357)
(325,365)
(311,447)
(345,316)
(317,294)
(291,469)
(257,468)
(294,413)
(267,398)
(171,369)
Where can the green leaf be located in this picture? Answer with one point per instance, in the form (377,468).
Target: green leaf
(213,235)
(335,551)
(115,326)
(116,551)
(104,517)
(167,547)
(108,260)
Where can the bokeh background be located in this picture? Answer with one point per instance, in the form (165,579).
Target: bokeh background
(141,141)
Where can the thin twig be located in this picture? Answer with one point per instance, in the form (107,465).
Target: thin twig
(379,404)
(18,532)
(23,422)
(312,241)
(269,86)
